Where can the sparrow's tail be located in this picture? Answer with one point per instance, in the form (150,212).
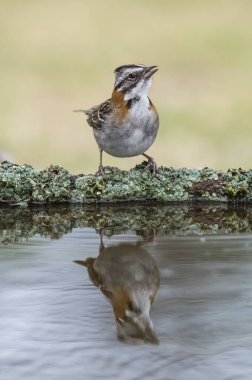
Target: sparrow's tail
(84,111)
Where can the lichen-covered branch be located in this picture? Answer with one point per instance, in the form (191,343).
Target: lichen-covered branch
(24,185)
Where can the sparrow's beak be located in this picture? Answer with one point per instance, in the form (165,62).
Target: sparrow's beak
(150,336)
(149,71)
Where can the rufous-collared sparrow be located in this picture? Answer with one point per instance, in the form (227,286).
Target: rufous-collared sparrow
(126,125)
(129,277)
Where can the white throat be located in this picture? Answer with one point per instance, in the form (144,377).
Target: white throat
(140,91)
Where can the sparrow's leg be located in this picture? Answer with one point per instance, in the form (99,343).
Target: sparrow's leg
(152,166)
(101,247)
(100,170)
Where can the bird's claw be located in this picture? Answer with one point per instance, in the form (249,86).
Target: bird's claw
(101,172)
(151,166)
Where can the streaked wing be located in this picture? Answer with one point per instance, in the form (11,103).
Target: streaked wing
(97,115)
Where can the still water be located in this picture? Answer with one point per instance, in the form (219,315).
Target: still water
(62,320)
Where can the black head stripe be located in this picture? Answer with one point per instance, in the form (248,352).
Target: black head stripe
(130,83)
(128,67)
(131,86)
(119,84)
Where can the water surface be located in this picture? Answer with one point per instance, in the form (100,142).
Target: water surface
(56,324)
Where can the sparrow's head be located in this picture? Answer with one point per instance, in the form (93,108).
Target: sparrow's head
(136,327)
(132,313)
(133,80)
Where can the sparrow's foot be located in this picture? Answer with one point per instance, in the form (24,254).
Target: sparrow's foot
(101,172)
(151,165)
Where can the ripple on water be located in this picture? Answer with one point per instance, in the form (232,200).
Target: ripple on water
(55,324)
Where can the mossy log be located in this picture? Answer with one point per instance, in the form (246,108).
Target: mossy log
(23,185)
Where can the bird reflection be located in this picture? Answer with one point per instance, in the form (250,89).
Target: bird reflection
(128,276)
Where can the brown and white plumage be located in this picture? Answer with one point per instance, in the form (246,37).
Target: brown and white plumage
(128,276)
(98,114)
(126,125)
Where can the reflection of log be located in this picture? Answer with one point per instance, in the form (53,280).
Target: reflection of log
(18,223)
(55,184)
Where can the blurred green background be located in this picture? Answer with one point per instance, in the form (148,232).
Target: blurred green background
(57,56)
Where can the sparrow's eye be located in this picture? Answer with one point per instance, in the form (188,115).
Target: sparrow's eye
(132,76)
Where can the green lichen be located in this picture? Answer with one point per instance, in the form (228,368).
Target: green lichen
(16,182)
(239,184)
(23,185)
(52,185)
(88,189)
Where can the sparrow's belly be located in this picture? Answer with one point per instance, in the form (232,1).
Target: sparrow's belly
(127,140)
